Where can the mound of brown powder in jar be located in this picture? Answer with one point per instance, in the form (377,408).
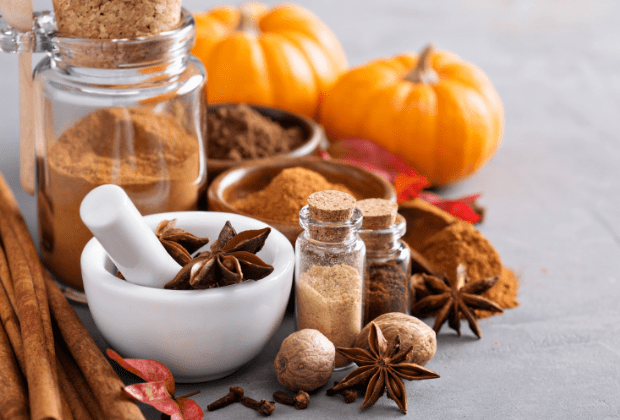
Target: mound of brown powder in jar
(239,132)
(286,194)
(461,242)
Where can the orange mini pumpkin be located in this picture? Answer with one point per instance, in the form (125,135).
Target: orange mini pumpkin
(439,113)
(283,57)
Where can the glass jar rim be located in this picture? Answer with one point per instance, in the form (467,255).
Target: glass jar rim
(397,229)
(125,52)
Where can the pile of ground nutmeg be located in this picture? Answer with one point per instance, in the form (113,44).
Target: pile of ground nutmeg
(450,242)
(286,194)
(239,132)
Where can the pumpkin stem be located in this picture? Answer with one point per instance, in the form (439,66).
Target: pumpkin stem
(247,21)
(423,72)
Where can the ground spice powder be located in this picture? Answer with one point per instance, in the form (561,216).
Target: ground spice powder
(461,242)
(239,132)
(386,290)
(150,155)
(286,194)
(329,299)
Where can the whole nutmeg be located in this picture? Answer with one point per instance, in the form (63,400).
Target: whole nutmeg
(305,361)
(413,332)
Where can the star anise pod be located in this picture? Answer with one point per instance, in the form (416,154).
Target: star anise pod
(179,243)
(449,299)
(230,261)
(383,367)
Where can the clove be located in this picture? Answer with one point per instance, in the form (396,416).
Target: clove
(263,406)
(349,394)
(299,401)
(235,394)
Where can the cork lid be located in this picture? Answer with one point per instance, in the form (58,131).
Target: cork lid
(331,206)
(378,213)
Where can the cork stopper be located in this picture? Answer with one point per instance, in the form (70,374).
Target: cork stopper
(378,213)
(116,19)
(331,206)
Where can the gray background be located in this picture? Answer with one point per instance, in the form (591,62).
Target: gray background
(552,194)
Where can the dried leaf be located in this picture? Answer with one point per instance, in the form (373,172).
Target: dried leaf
(156,394)
(149,370)
(407,182)
(158,391)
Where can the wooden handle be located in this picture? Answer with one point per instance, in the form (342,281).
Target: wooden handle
(26,124)
(18,13)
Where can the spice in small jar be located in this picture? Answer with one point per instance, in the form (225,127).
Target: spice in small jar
(387,258)
(329,267)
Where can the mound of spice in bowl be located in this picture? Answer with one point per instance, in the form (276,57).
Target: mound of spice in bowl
(286,194)
(240,132)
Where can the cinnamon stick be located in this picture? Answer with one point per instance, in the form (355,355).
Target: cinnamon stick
(80,383)
(5,278)
(11,327)
(103,380)
(10,208)
(42,386)
(13,398)
(64,404)
(76,406)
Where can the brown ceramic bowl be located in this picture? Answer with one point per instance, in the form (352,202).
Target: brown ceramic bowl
(237,183)
(313,133)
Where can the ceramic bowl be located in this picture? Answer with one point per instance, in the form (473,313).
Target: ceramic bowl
(237,183)
(201,335)
(313,133)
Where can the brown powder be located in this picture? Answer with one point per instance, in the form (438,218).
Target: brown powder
(329,299)
(461,242)
(286,194)
(423,221)
(239,132)
(504,293)
(149,155)
(386,290)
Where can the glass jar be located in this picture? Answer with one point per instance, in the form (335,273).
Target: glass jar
(329,279)
(130,112)
(388,269)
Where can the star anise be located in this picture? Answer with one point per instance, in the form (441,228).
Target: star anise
(230,261)
(179,243)
(383,367)
(449,299)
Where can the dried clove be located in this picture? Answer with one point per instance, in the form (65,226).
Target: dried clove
(299,401)
(349,394)
(263,406)
(234,395)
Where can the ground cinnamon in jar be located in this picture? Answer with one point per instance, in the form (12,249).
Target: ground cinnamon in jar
(461,242)
(150,155)
(286,194)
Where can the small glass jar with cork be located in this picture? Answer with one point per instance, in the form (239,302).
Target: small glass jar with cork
(388,259)
(329,269)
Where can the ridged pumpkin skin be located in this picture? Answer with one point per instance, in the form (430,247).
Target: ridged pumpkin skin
(446,123)
(283,57)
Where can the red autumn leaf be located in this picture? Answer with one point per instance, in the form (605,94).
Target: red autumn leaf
(190,409)
(156,394)
(149,370)
(459,207)
(407,182)
(158,391)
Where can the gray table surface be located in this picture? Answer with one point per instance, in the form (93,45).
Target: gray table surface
(552,194)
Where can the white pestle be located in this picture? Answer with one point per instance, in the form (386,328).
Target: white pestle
(133,247)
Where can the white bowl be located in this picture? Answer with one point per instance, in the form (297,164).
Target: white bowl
(200,335)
